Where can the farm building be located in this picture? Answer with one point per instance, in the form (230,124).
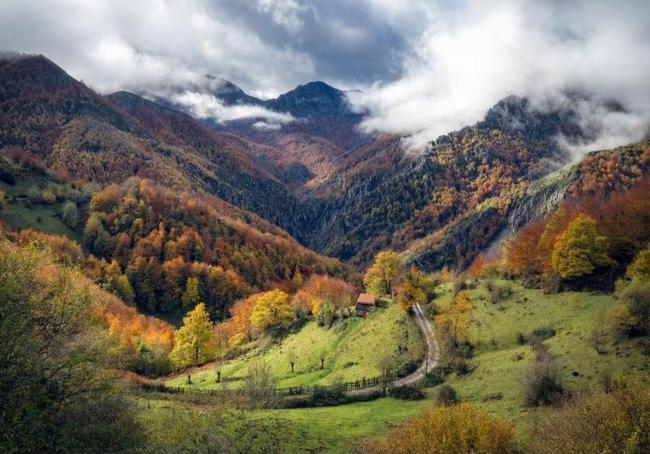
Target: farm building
(365,303)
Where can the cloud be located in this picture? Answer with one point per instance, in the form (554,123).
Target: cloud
(204,105)
(475,54)
(265,46)
(424,67)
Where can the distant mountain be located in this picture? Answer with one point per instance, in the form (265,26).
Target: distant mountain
(323,117)
(337,191)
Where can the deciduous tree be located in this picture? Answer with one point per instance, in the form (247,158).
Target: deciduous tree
(272,311)
(383,275)
(580,249)
(194,343)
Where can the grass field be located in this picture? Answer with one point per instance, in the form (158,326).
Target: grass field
(494,383)
(37,216)
(353,349)
(500,362)
(333,430)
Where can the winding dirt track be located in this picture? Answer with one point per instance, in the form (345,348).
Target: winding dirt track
(431,358)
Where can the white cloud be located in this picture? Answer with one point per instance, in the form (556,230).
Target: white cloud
(475,55)
(204,105)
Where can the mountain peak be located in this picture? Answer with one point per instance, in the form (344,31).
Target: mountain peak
(312,98)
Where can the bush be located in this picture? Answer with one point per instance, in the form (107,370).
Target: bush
(461,366)
(435,376)
(461,429)
(620,322)
(541,383)
(598,421)
(459,285)
(521,339)
(637,297)
(70,215)
(407,368)
(539,335)
(447,395)
(325,398)
(406,392)
(500,292)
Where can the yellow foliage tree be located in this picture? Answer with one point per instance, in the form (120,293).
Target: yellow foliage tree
(580,249)
(409,295)
(383,275)
(194,340)
(458,429)
(640,267)
(272,310)
(453,319)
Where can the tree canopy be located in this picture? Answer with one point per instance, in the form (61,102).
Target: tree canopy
(194,343)
(272,310)
(383,275)
(580,249)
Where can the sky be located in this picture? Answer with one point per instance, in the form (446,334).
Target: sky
(422,68)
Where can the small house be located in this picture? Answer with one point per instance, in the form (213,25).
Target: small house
(365,303)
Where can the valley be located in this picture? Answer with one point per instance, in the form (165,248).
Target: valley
(291,281)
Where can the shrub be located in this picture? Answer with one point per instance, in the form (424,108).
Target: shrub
(407,367)
(435,376)
(48,196)
(620,322)
(459,285)
(406,392)
(326,314)
(521,339)
(500,292)
(446,395)
(461,429)
(70,215)
(259,386)
(325,398)
(541,383)
(461,366)
(597,421)
(637,297)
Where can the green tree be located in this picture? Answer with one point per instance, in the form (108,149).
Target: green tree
(191,296)
(580,249)
(380,279)
(194,343)
(123,289)
(54,394)
(272,311)
(640,267)
(70,215)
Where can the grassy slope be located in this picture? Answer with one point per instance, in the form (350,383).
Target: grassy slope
(354,348)
(39,216)
(573,315)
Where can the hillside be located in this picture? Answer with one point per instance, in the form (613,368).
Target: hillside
(83,135)
(351,349)
(155,239)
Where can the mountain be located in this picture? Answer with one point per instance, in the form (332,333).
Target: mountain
(323,127)
(335,190)
(109,139)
